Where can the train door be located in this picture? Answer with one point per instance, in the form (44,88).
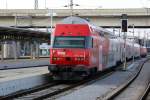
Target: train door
(94,53)
(111,59)
(113,53)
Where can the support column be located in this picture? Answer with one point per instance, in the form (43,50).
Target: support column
(2,52)
(18,49)
(34,49)
(15,49)
(28,48)
(6,51)
(37,49)
(23,52)
(31,50)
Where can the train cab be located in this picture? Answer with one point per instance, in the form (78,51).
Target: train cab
(70,45)
(73,49)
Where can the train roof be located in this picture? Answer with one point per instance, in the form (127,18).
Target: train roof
(78,20)
(74,20)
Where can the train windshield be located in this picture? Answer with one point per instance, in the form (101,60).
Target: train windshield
(69,42)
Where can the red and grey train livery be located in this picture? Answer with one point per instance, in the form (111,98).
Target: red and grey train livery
(80,48)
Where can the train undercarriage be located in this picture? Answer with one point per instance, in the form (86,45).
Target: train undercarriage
(70,73)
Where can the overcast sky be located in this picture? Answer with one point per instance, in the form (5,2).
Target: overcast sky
(29,4)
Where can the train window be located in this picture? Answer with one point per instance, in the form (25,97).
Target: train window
(69,42)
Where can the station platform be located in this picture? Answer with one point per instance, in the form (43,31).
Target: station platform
(22,63)
(13,74)
(14,80)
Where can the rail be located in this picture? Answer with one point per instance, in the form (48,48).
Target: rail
(121,88)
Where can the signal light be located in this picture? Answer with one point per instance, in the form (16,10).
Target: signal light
(124,25)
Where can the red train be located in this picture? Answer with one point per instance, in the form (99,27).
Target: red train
(79,49)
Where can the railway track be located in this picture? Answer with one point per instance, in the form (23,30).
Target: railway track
(55,88)
(146,94)
(115,93)
(25,57)
(52,89)
(28,91)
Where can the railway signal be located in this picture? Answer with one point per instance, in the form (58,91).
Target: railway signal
(124,23)
(124,28)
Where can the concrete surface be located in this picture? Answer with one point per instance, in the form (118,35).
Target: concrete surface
(101,87)
(21,63)
(19,79)
(135,90)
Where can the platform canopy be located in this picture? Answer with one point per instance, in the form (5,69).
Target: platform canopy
(18,33)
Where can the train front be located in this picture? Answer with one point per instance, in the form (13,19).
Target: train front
(69,56)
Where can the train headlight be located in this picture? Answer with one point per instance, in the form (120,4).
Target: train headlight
(79,58)
(55,58)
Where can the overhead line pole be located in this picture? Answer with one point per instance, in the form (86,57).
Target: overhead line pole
(35,4)
(71,7)
(133,40)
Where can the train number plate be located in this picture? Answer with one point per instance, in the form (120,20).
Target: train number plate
(61,53)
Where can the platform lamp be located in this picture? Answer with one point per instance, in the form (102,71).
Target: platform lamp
(124,28)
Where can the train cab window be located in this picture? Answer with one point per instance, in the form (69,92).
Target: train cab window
(89,42)
(73,42)
(69,42)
